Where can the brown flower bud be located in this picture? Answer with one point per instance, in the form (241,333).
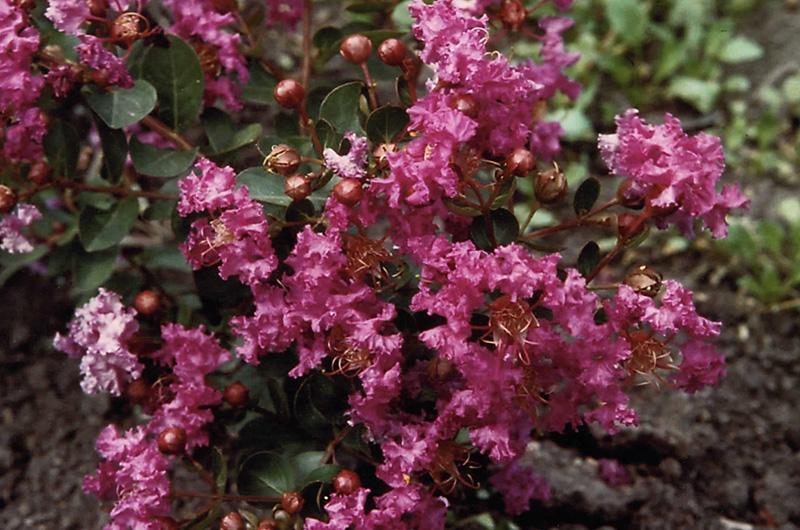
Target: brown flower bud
(98,8)
(8,199)
(209,58)
(283,160)
(100,78)
(356,48)
(466,103)
(147,302)
(297,187)
(25,5)
(520,162)
(127,28)
(440,369)
(346,482)
(645,281)
(629,225)
(628,197)
(392,52)
(512,13)
(292,502)
(267,524)
(289,93)
(348,192)
(224,6)
(138,392)
(236,394)
(172,441)
(232,521)
(550,186)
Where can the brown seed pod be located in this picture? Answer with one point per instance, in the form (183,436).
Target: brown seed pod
(644,281)
(267,524)
(289,93)
(512,14)
(466,103)
(356,48)
(147,302)
(346,482)
(138,392)
(292,502)
(550,186)
(128,28)
(520,162)
(98,8)
(236,394)
(297,187)
(8,199)
(283,160)
(629,225)
(232,521)
(172,441)
(348,192)
(628,197)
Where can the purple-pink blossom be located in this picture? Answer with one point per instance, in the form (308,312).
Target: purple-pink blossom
(12,225)
(96,56)
(67,15)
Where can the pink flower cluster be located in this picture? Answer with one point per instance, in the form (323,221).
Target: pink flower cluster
(673,171)
(23,125)
(99,334)
(133,473)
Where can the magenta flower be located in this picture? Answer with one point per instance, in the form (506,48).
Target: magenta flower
(12,239)
(350,165)
(613,472)
(208,188)
(93,54)
(676,173)
(98,334)
(518,485)
(67,15)
(192,353)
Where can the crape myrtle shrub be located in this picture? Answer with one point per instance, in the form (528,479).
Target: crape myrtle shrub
(355,331)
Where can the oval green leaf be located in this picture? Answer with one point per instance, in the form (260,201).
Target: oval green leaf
(341,107)
(61,145)
(115,151)
(123,106)
(102,229)
(385,123)
(155,162)
(586,195)
(504,226)
(224,135)
(588,258)
(176,74)
(266,474)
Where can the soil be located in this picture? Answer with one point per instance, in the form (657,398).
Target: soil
(727,458)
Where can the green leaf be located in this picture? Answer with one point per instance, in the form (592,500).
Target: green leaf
(341,106)
(100,229)
(328,136)
(225,136)
(61,145)
(588,258)
(264,186)
(219,467)
(628,19)
(385,123)
(586,196)
(115,151)
(266,474)
(259,87)
(327,40)
(123,106)
(92,269)
(176,74)
(740,49)
(11,263)
(155,162)
(699,92)
(504,228)
(308,469)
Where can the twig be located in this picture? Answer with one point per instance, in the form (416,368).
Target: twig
(167,133)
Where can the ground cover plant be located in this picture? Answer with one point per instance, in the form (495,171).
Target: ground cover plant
(318,275)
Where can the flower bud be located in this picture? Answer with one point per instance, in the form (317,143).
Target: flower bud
(520,162)
(147,302)
(224,6)
(392,52)
(289,93)
(236,394)
(292,502)
(466,103)
(348,192)
(628,197)
(8,199)
(283,160)
(138,392)
(356,48)
(297,187)
(512,13)
(346,482)
(550,186)
(172,441)
(267,524)
(644,281)
(168,523)
(440,369)
(232,521)
(25,5)
(629,225)
(98,8)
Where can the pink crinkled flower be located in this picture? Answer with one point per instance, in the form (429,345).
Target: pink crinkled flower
(189,409)
(350,165)
(208,188)
(23,140)
(12,239)
(518,484)
(410,507)
(192,353)
(134,475)
(67,15)
(673,171)
(344,511)
(19,41)
(93,54)
(99,333)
